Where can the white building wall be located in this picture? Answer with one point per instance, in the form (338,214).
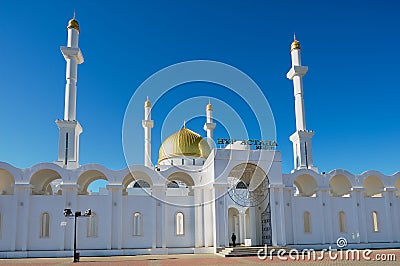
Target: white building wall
(101,205)
(37,206)
(144,205)
(8,207)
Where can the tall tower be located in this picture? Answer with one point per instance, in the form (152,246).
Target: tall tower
(147,124)
(301,139)
(209,125)
(69,128)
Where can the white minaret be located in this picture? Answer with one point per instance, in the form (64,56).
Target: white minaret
(69,128)
(301,139)
(147,124)
(209,125)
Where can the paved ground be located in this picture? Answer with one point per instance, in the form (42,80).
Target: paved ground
(390,257)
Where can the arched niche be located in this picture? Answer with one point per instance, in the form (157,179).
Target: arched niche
(373,186)
(340,186)
(306,185)
(6,182)
(46,182)
(87,178)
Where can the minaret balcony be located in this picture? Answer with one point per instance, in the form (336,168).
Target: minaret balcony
(297,71)
(75,53)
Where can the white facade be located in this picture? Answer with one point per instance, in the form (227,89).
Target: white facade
(182,204)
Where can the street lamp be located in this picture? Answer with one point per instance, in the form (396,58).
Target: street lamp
(69,214)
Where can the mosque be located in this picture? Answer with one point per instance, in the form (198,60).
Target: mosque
(195,197)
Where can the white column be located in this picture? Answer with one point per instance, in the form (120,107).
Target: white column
(226,220)
(23,192)
(147,124)
(69,128)
(241,228)
(359,214)
(301,139)
(389,194)
(281,213)
(116,215)
(396,215)
(208,206)
(221,212)
(254,224)
(326,219)
(160,216)
(198,217)
(70,196)
(209,126)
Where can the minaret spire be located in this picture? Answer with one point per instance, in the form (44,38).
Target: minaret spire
(147,124)
(70,129)
(301,139)
(209,125)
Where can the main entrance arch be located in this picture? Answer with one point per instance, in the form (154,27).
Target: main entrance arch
(249,187)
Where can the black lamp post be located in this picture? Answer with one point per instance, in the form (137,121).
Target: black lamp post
(68,213)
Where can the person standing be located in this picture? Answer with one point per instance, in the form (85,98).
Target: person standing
(233,239)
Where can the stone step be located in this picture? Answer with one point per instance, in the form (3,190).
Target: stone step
(249,251)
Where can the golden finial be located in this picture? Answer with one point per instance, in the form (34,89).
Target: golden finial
(295,44)
(73,23)
(147,103)
(209,106)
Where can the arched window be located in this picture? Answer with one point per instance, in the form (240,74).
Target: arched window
(241,185)
(307,222)
(141,184)
(92,225)
(172,184)
(342,222)
(45,225)
(375,223)
(179,223)
(137,224)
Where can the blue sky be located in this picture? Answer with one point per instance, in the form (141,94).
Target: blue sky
(351,89)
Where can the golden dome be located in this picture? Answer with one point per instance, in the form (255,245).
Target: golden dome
(147,103)
(209,107)
(295,44)
(73,24)
(185,142)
